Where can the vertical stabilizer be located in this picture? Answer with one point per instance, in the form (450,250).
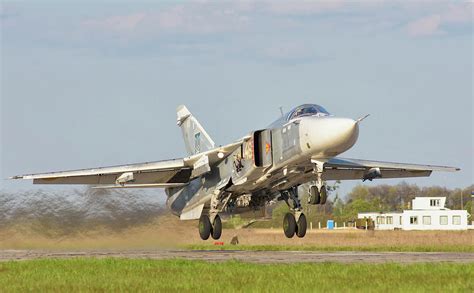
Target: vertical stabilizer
(196,139)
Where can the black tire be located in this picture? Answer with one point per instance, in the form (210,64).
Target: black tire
(323,195)
(204,227)
(216,228)
(314,195)
(289,225)
(301,226)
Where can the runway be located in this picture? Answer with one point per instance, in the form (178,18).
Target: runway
(247,256)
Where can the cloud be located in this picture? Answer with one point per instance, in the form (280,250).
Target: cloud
(125,23)
(208,17)
(437,23)
(428,25)
(192,18)
(460,13)
(303,7)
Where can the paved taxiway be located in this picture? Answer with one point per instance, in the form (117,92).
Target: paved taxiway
(248,256)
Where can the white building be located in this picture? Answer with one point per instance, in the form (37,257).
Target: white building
(427,213)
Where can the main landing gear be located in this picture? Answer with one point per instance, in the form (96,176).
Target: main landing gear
(292,227)
(208,228)
(318,192)
(295,221)
(210,224)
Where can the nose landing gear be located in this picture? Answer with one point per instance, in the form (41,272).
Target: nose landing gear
(317,196)
(318,192)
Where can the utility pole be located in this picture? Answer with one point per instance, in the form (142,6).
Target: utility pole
(462,201)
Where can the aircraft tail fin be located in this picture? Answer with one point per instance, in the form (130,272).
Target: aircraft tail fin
(196,139)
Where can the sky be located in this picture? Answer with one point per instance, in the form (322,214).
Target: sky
(88,84)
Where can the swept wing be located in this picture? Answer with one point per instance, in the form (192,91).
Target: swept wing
(351,169)
(168,173)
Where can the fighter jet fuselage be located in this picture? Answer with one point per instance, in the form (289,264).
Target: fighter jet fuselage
(272,159)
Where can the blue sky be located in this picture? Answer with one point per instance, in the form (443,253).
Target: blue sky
(92,84)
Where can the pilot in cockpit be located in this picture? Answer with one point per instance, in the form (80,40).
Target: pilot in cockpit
(305,111)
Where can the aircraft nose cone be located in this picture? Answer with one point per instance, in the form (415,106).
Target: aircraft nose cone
(341,133)
(345,128)
(330,136)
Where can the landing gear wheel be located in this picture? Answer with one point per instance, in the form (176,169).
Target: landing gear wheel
(323,195)
(314,195)
(204,227)
(216,228)
(289,225)
(301,226)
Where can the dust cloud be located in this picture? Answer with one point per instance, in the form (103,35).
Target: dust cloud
(65,213)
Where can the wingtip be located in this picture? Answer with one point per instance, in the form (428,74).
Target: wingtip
(18,177)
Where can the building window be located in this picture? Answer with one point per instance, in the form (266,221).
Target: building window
(456,220)
(426,220)
(443,220)
(380,220)
(389,220)
(434,202)
(414,220)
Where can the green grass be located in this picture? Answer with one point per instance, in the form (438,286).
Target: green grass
(398,248)
(88,274)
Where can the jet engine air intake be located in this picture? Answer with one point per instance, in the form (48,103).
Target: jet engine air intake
(262,148)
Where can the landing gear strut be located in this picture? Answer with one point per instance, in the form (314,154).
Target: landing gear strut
(318,192)
(294,222)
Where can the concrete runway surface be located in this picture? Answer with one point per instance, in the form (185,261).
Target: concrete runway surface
(248,256)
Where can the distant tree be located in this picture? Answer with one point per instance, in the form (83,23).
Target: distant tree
(468,208)
(359,192)
(360,206)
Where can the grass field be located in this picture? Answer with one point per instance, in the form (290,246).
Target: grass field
(89,274)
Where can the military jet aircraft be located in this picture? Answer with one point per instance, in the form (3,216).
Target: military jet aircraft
(265,166)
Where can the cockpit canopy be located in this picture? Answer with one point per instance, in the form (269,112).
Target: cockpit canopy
(300,111)
(307,110)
